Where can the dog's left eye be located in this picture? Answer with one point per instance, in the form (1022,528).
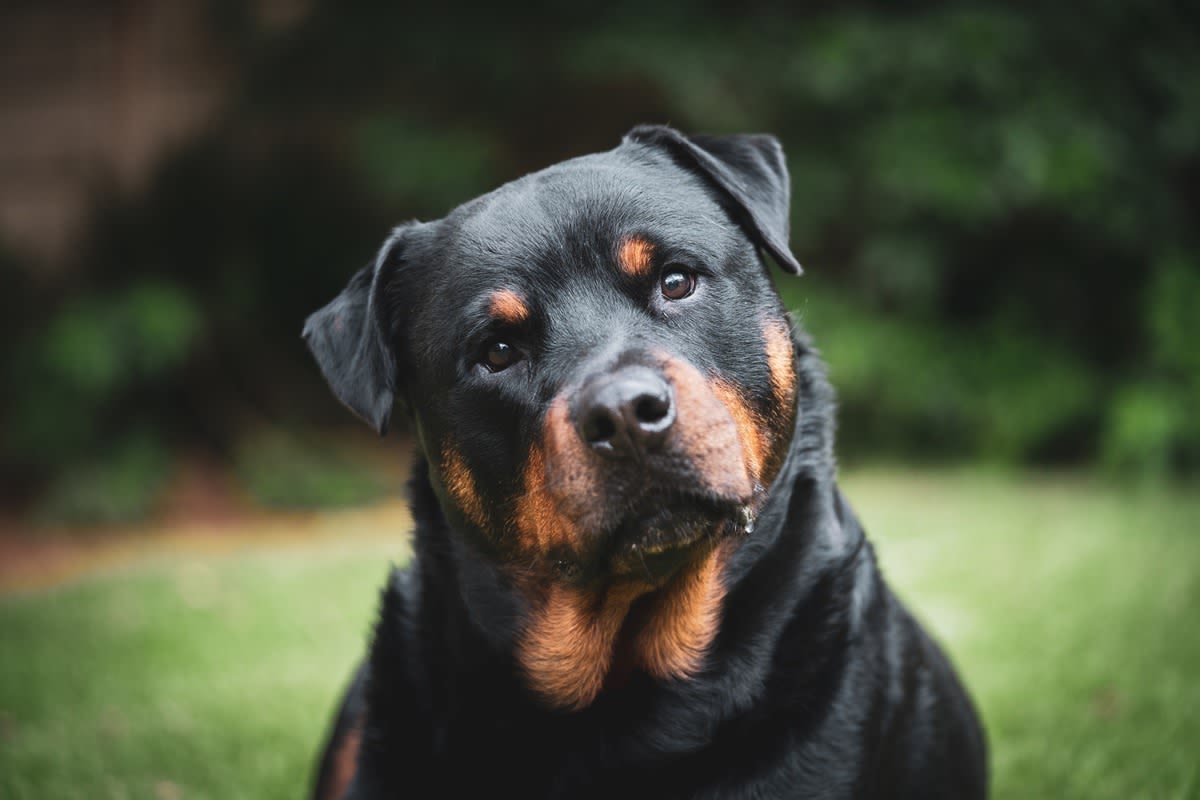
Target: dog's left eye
(677,283)
(500,356)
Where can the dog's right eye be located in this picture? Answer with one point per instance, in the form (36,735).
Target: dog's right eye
(500,356)
(677,283)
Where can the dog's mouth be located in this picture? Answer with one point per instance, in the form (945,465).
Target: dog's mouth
(656,539)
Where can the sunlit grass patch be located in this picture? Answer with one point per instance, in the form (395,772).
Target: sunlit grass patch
(1070,608)
(198,677)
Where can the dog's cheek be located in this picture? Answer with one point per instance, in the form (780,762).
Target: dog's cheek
(764,423)
(781,361)
(708,435)
(557,484)
(460,484)
(750,429)
(781,419)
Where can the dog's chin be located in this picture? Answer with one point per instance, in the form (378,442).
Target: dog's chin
(652,545)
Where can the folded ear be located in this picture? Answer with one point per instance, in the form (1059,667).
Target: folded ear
(749,169)
(352,337)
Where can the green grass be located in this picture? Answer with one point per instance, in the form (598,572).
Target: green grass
(1070,607)
(211,677)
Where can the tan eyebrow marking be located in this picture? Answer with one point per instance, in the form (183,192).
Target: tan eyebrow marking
(635,257)
(508,306)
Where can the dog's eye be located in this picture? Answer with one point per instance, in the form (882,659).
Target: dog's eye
(677,283)
(500,356)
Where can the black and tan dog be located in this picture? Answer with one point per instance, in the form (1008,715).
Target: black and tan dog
(634,574)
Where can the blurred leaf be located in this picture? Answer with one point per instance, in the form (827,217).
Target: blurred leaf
(121,487)
(282,471)
(89,355)
(911,387)
(161,326)
(1143,427)
(81,348)
(434,168)
(1173,316)
(901,271)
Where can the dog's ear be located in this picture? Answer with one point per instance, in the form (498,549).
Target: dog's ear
(352,338)
(749,169)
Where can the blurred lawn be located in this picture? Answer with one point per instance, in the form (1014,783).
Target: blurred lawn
(1070,606)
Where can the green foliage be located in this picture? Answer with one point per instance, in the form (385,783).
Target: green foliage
(906,388)
(1153,427)
(76,410)
(90,356)
(104,343)
(1172,312)
(1144,421)
(123,486)
(281,471)
(428,168)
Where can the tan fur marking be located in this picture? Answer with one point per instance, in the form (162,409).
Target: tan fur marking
(750,428)
(684,619)
(708,433)
(508,306)
(636,257)
(460,483)
(561,484)
(536,516)
(763,438)
(567,648)
(345,764)
(781,360)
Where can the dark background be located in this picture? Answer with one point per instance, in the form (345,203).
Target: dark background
(995,203)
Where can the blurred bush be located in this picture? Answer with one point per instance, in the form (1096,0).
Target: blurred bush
(92,356)
(122,486)
(1153,427)
(907,389)
(279,470)
(996,205)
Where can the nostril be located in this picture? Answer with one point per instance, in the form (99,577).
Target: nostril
(651,408)
(598,427)
(624,413)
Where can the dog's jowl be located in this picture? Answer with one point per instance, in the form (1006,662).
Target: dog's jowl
(633,572)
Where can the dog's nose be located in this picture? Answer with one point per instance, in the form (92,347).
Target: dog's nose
(625,413)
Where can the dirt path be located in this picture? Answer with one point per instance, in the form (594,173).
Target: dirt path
(47,558)
(203,512)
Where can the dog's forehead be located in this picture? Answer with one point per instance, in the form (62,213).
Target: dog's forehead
(583,207)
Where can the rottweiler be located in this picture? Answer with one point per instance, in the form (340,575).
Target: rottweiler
(633,573)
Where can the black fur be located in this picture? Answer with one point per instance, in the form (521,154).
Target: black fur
(818,682)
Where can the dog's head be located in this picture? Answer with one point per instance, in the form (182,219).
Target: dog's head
(602,380)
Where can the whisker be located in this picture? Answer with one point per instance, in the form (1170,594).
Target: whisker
(645,566)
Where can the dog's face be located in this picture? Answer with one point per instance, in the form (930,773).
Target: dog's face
(602,380)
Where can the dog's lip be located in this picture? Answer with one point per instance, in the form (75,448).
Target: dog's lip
(655,541)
